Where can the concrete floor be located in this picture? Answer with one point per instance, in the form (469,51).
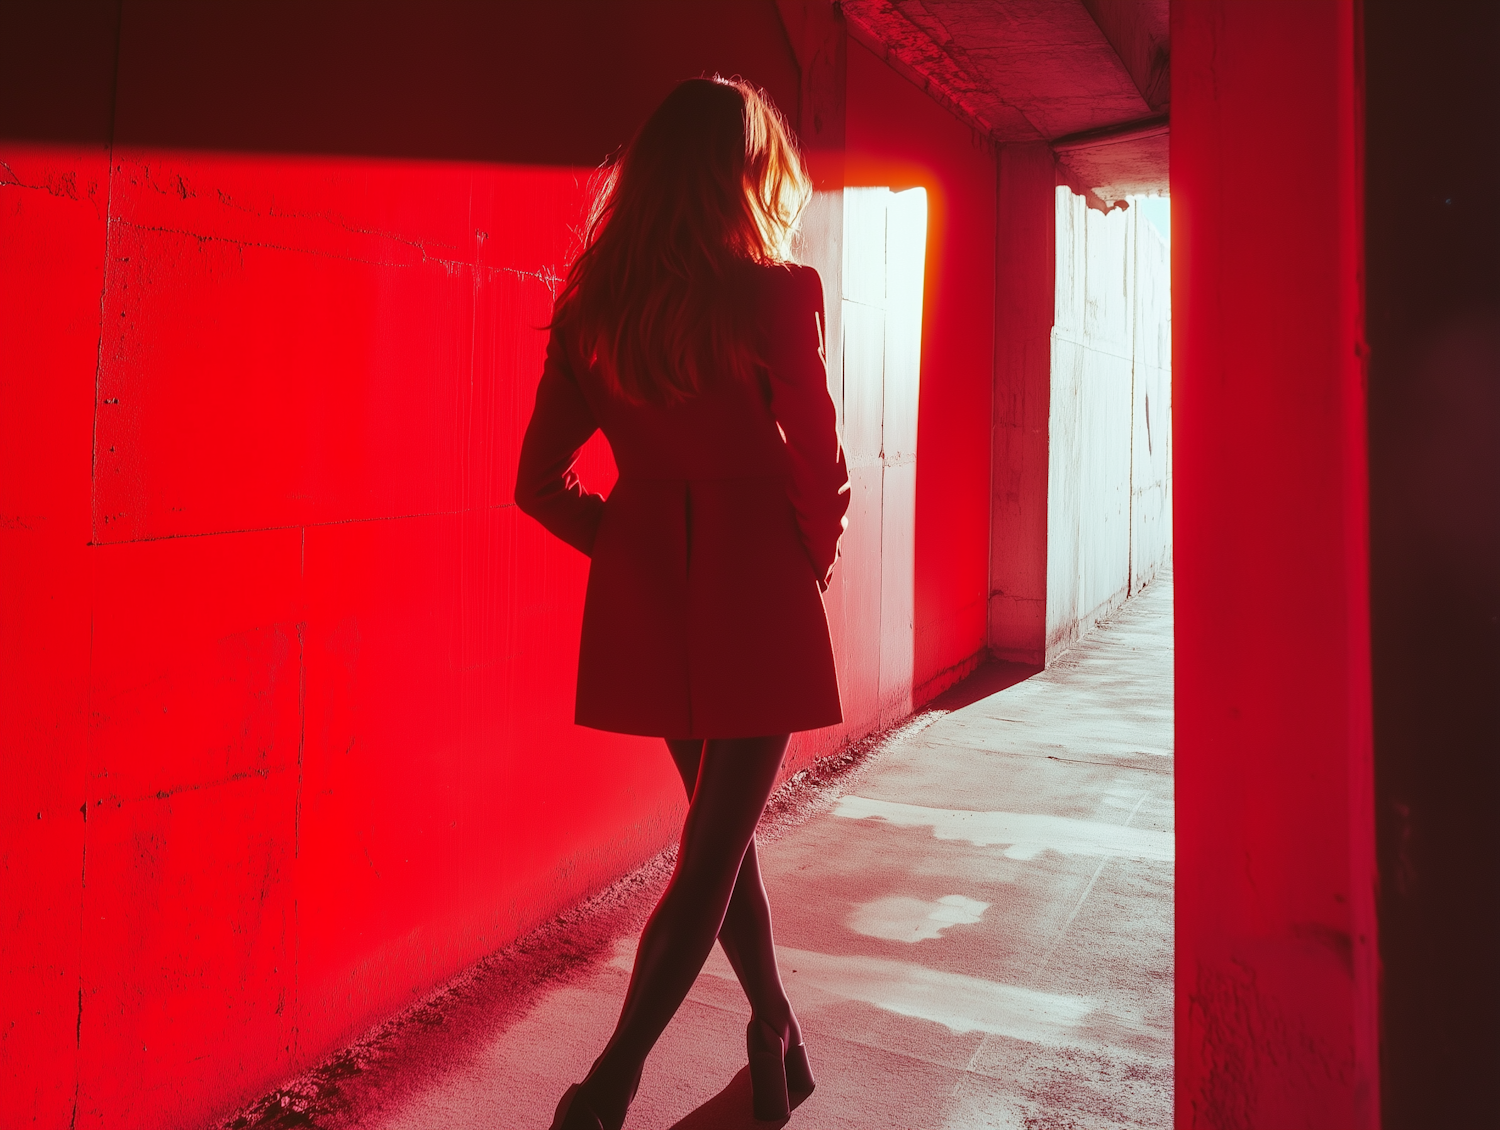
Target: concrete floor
(975,926)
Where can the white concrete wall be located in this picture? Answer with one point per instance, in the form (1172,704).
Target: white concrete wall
(871,601)
(1109,522)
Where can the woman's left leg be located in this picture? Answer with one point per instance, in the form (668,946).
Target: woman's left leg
(746,933)
(734,781)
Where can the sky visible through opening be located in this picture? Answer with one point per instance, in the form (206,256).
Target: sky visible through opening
(1158,210)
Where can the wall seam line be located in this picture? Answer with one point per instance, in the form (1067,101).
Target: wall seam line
(304,526)
(109,184)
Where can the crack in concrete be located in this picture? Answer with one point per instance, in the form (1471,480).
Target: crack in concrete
(310,525)
(547,276)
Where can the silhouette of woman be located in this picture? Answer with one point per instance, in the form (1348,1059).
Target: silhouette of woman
(685,332)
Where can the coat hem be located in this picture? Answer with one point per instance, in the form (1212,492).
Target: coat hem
(637,731)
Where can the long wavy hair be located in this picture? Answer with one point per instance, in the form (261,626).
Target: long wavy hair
(712,179)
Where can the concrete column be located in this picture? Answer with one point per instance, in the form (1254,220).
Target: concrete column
(1275,948)
(1026,234)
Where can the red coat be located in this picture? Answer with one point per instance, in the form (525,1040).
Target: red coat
(703,616)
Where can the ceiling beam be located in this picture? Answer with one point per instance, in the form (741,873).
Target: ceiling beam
(1140,33)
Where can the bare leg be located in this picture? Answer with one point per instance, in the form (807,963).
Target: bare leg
(734,780)
(746,933)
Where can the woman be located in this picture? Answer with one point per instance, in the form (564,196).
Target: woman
(686,333)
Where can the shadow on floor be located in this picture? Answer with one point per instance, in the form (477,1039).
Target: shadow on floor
(730,1109)
(989,678)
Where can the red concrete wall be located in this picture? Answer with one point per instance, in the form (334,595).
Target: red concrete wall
(287,682)
(1275,961)
(900,138)
(1025,308)
(49,319)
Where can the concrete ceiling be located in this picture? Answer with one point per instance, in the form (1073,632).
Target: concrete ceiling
(1091,77)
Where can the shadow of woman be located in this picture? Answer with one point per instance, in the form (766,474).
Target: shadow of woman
(731,1109)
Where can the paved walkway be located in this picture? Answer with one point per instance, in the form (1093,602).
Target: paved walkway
(975,927)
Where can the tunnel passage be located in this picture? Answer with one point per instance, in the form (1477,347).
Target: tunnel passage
(287,675)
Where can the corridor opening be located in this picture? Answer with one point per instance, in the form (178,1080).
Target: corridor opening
(1109,459)
(288,677)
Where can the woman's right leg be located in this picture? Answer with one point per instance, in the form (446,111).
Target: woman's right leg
(746,933)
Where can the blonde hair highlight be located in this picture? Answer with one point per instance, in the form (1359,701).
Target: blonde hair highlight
(711,179)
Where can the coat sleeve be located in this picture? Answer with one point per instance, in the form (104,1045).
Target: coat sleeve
(546,486)
(818,481)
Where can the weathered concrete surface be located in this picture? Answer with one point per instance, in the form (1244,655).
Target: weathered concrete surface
(976,931)
(1025,312)
(1025,71)
(1109,481)
(1093,75)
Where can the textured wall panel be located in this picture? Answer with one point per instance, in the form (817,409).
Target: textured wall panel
(899,138)
(1276,974)
(1108,498)
(272,347)
(52,210)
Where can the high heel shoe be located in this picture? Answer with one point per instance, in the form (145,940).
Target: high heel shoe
(576,1109)
(767,1071)
(799,1076)
(576,1112)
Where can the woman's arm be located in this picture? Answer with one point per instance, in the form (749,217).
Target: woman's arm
(546,487)
(793,351)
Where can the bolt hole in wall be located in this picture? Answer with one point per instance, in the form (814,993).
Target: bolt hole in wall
(1109,472)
